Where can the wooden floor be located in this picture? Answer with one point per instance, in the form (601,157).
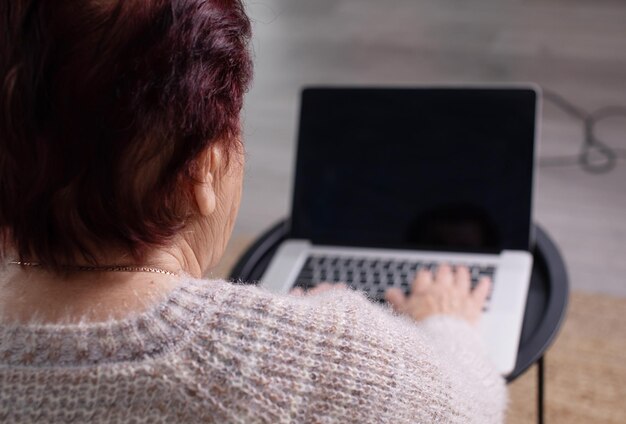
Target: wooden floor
(576,48)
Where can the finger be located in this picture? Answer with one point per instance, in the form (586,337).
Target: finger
(297,291)
(340,286)
(396,298)
(480,293)
(463,279)
(444,275)
(322,287)
(422,282)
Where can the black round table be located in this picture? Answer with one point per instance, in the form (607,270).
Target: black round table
(545,307)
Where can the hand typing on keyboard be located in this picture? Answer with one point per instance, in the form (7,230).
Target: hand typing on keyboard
(444,292)
(447,292)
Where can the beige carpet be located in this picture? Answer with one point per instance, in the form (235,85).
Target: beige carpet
(585,367)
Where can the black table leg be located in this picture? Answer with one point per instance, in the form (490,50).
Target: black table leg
(540,387)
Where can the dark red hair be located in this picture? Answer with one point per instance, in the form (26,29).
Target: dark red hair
(104,108)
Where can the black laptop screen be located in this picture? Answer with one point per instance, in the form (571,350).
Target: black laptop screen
(439,169)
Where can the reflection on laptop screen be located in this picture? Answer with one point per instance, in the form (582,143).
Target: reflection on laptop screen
(415,168)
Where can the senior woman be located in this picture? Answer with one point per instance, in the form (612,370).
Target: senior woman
(121,168)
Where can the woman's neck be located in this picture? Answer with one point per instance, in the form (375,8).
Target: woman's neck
(34,294)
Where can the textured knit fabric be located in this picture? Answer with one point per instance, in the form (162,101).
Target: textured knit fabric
(219,352)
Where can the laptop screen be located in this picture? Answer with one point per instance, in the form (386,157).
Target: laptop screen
(438,169)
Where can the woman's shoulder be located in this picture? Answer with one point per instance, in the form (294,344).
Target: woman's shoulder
(336,320)
(238,298)
(335,313)
(346,353)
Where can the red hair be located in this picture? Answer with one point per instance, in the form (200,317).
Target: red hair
(104,108)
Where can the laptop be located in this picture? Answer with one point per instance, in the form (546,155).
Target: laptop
(392,180)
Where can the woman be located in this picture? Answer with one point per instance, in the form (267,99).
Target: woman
(121,167)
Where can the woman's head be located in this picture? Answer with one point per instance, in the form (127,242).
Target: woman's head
(110,112)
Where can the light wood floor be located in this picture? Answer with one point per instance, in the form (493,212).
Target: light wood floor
(576,48)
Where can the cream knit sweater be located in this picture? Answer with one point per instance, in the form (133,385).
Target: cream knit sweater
(221,352)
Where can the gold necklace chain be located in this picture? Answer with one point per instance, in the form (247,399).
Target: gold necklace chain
(107,268)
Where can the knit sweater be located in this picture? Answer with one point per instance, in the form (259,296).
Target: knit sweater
(215,351)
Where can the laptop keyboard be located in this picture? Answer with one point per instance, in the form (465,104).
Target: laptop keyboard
(373,276)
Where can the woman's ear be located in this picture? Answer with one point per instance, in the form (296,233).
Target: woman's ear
(205,192)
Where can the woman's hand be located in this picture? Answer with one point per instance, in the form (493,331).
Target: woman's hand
(446,292)
(322,287)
